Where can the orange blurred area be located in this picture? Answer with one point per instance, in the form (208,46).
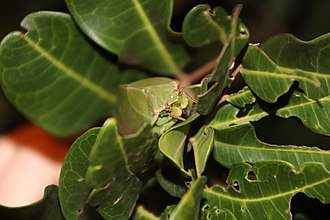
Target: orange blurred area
(29,135)
(30,160)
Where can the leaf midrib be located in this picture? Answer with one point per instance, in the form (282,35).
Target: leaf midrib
(277,148)
(111,98)
(284,75)
(155,38)
(251,200)
(257,116)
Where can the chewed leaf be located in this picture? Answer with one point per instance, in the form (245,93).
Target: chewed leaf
(137,31)
(229,150)
(242,98)
(314,114)
(264,190)
(275,65)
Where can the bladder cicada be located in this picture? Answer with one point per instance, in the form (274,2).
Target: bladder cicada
(158,102)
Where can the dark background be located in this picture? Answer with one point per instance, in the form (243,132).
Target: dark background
(303,18)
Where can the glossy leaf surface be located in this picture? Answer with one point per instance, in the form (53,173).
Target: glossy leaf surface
(56,77)
(172,142)
(136,30)
(229,150)
(115,188)
(264,190)
(73,188)
(202,144)
(275,65)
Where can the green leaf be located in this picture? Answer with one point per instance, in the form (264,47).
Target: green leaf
(264,190)
(73,189)
(202,26)
(229,150)
(48,208)
(52,72)
(314,114)
(276,65)
(137,31)
(172,142)
(189,205)
(212,86)
(227,117)
(142,214)
(95,174)
(115,188)
(242,98)
(202,144)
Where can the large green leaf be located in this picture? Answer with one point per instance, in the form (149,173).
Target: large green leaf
(136,30)
(264,190)
(55,76)
(48,208)
(229,150)
(276,65)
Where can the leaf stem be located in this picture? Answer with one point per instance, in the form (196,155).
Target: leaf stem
(187,79)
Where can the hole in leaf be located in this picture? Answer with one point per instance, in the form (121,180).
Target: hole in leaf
(252,176)
(205,207)
(209,216)
(217,211)
(236,186)
(244,111)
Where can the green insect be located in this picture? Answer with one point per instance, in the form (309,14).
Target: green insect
(155,101)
